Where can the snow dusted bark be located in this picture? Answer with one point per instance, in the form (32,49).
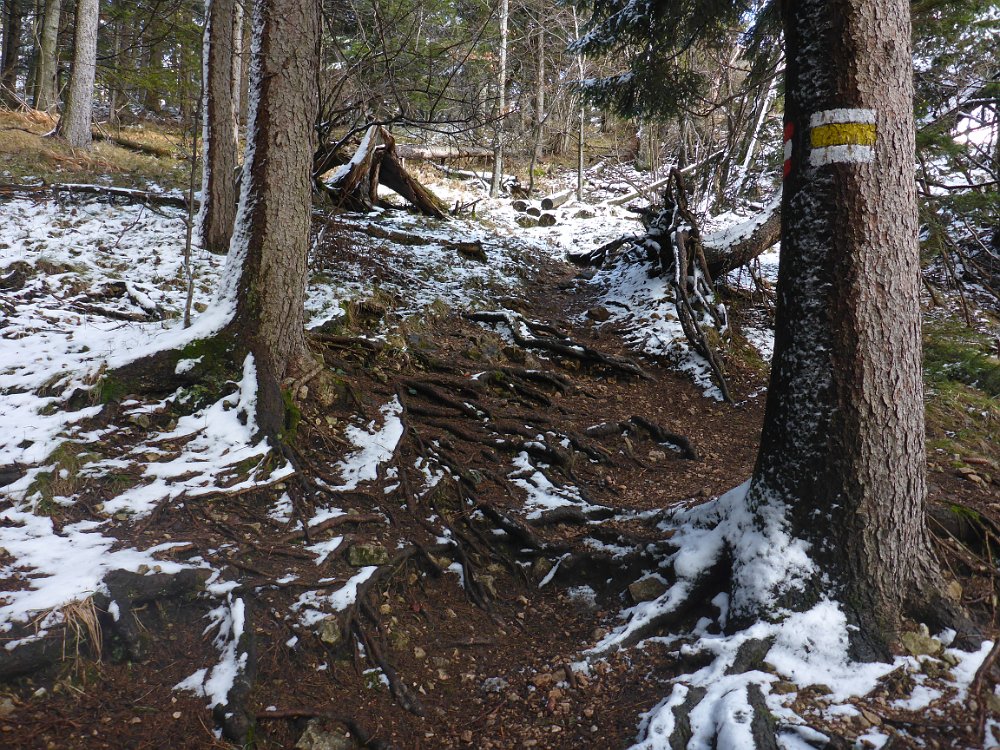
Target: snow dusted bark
(842,451)
(75,123)
(218,185)
(236,80)
(47,96)
(267,259)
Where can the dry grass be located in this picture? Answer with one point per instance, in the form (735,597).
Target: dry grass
(25,154)
(82,623)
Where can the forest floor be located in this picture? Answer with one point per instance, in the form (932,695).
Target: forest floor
(480,468)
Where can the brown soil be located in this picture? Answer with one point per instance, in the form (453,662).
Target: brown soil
(486,668)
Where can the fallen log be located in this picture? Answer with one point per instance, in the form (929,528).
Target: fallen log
(133,196)
(394,176)
(520,205)
(557,199)
(354,185)
(427,153)
(735,246)
(160,152)
(547,220)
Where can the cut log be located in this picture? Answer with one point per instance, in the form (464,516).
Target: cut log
(547,220)
(133,196)
(520,205)
(736,246)
(533,211)
(557,199)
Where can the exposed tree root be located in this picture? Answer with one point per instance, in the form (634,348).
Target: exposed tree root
(659,434)
(533,335)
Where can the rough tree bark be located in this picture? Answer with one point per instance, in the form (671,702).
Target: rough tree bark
(75,123)
(47,93)
(12,30)
(271,241)
(218,184)
(843,440)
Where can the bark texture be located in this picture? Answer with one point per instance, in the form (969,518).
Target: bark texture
(47,92)
(75,123)
(843,440)
(12,30)
(218,208)
(272,230)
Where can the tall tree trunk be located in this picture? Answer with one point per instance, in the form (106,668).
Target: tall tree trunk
(115,92)
(236,83)
(13,28)
(501,103)
(47,97)
(31,82)
(267,260)
(218,207)
(75,123)
(842,450)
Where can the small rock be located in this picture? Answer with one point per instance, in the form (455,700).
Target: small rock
(328,631)
(7,708)
(361,555)
(543,680)
(953,591)
(993,701)
(873,719)
(783,687)
(921,643)
(419,653)
(656,456)
(494,685)
(466,736)
(599,313)
(316,738)
(646,589)
(950,659)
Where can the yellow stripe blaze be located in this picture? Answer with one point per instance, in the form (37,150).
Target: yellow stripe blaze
(843,134)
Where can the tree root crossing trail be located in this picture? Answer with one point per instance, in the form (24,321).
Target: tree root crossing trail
(495,484)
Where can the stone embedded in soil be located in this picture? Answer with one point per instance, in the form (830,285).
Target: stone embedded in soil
(361,555)
(921,643)
(316,738)
(646,589)
(329,631)
(599,313)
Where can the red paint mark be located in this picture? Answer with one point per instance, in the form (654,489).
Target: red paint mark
(789,132)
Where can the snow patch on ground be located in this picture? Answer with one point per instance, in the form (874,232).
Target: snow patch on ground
(216,683)
(375,446)
(60,567)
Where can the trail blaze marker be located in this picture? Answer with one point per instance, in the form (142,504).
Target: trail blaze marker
(845,136)
(789,132)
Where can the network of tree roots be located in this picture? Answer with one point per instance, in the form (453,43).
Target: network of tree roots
(426,658)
